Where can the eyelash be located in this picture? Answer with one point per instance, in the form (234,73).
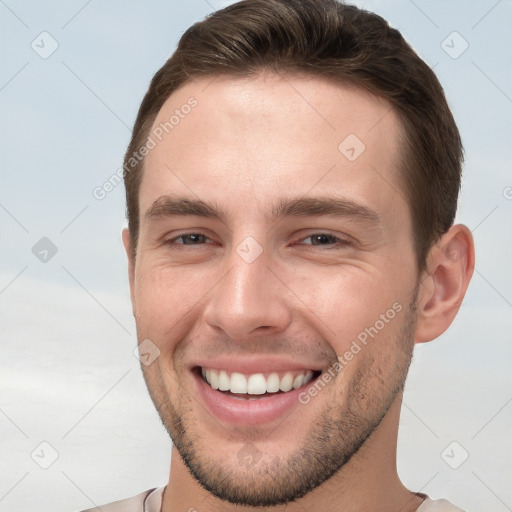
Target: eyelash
(338,241)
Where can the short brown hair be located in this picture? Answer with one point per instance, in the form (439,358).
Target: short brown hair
(330,39)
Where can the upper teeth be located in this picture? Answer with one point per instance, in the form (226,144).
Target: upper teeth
(256,383)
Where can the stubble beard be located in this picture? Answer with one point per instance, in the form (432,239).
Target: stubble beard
(333,439)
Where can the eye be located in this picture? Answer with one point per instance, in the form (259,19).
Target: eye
(190,239)
(324,239)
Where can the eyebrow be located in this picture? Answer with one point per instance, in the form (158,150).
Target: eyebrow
(333,206)
(168,206)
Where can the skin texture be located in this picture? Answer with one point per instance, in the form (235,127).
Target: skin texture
(248,145)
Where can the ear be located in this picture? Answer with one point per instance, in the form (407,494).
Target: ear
(127,242)
(450,265)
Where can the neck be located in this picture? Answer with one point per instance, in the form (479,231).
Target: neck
(369,481)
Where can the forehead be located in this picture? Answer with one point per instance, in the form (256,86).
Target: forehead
(248,141)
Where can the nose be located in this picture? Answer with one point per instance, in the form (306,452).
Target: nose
(250,300)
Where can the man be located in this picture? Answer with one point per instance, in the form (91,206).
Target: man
(291,182)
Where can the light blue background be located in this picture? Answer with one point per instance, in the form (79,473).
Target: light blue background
(68,374)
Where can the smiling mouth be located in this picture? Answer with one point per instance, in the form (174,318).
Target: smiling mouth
(257,385)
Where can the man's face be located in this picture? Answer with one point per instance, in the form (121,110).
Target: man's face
(298,252)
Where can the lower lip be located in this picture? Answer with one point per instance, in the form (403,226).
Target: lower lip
(249,412)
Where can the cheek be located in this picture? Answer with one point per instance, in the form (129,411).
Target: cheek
(166,300)
(353,307)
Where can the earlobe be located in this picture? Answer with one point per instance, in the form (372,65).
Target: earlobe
(127,242)
(450,267)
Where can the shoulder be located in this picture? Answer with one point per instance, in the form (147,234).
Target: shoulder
(438,506)
(147,501)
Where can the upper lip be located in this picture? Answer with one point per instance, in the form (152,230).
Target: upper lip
(260,364)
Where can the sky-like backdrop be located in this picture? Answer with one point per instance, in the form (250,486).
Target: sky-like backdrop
(77,425)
